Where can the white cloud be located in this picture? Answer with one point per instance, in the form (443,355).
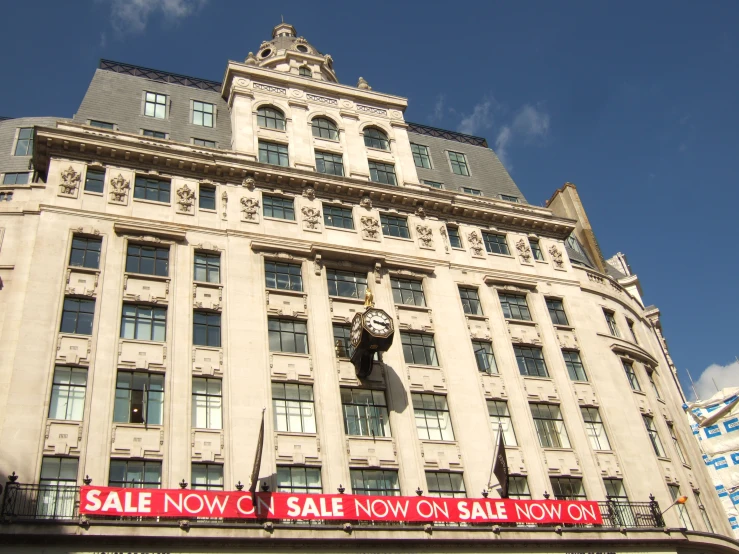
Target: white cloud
(722,375)
(501,145)
(531,123)
(438,112)
(132,16)
(480,118)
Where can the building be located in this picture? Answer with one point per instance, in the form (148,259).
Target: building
(183,254)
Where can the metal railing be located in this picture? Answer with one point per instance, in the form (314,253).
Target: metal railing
(631,514)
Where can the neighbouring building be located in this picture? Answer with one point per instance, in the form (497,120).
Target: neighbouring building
(183,254)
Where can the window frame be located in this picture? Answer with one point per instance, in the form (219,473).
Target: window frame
(211,143)
(536,250)
(503,420)
(208,266)
(407,289)
(150,399)
(358,282)
(16,178)
(458,167)
(433,184)
(268,149)
(86,251)
(387,476)
(275,121)
(445,484)
(330,130)
(68,395)
(207,400)
(558,489)
(470,298)
(631,376)
(521,492)
(610,317)
(654,438)
(456,234)
(595,428)
(421,153)
(134,259)
(203,114)
(383,173)
(552,431)
(376,136)
(575,373)
(511,309)
(432,417)
(155,105)
(207,192)
(58,490)
(102,124)
(145,188)
(332,212)
(676,443)
(557,313)
(156,322)
(427,346)
(77,321)
(209,323)
(490,365)
(276,205)
(395,226)
(471,191)
(208,485)
(148,467)
(365,419)
(496,243)
(151,133)
(302,399)
(277,273)
(287,327)
(321,155)
(521,351)
(23,144)
(342,340)
(294,488)
(94,180)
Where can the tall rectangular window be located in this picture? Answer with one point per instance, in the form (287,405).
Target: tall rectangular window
(653,383)
(394,226)
(454,240)
(15,178)
(432,417)
(473,192)
(346,283)
(407,291)
(204,142)
(139,397)
(615,490)
(156,190)
(611,321)
(155,105)
(484,356)
(24,143)
(293,408)
(278,207)
(299,480)
(518,487)
(77,316)
(443,484)
(631,375)
(676,443)
(85,252)
(459,163)
(330,164)
(557,311)
(336,216)
(68,393)
(140,322)
(496,244)
(470,301)
(95,180)
(681,509)
(618,503)
(207,267)
(207,403)
(342,342)
(287,335)
(419,348)
(575,369)
(536,251)
(421,156)
(630,325)
(207,477)
(653,436)
(500,417)
(704,513)
(375,482)
(202,113)
(207,199)
(382,173)
(135,474)
(206,329)
(365,412)
(568,488)
(530,361)
(57,493)
(595,429)
(279,275)
(550,427)
(149,260)
(273,153)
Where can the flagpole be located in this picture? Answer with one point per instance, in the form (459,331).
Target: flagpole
(258,457)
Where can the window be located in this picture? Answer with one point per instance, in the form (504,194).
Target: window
(336,216)
(102,124)
(77,316)
(207,200)
(94,180)
(141,322)
(495,244)
(536,250)
(653,436)
(272,153)
(650,376)
(270,118)
(24,144)
(681,509)
(324,128)
(287,335)
(618,503)
(568,488)
(299,480)
(557,311)
(432,417)
(454,239)
(15,179)
(630,325)
(421,156)
(407,291)
(433,184)
(631,375)
(514,306)
(382,173)
(202,113)
(484,356)
(419,348)
(279,275)
(518,487)
(573,243)
(207,403)
(374,138)
(330,164)
(704,513)
(154,134)
(611,320)
(139,397)
(595,429)
(135,474)
(676,443)
(530,361)
(155,190)
(375,482)
(574,365)
(615,490)
(155,105)
(57,488)
(149,260)
(470,301)
(365,413)
(394,226)
(442,484)
(85,252)
(278,207)
(206,329)
(207,267)
(204,142)
(6,196)
(473,192)
(500,417)
(342,342)
(550,426)
(293,408)
(207,477)
(68,393)
(346,283)
(305,72)
(459,163)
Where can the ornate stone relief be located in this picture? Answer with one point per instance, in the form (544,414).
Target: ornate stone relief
(476,244)
(249,209)
(444,237)
(425,236)
(70,181)
(556,255)
(224,204)
(185,198)
(370,228)
(378,272)
(251,59)
(366,202)
(119,188)
(249,183)
(317,264)
(363,84)
(421,212)
(309,193)
(311,217)
(523,250)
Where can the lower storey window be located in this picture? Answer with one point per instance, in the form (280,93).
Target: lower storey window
(568,488)
(518,487)
(530,361)
(287,335)
(207,403)
(432,417)
(77,316)
(550,426)
(331,164)
(272,153)
(500,418)
(365,413)
(419,348)
(293,408)
(57,488)
(68,393)
(139,397)
(375,482)
(299,480)
(207,477)
(445,485)
(342,342)
(141,322)
(382,173)
(135,474)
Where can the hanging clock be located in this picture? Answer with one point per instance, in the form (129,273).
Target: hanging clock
(372,332)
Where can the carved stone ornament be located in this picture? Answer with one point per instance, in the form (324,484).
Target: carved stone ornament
(250,207)
(524,250)
(70,180)
(251,59)
(556,255)
(363,84)
(224,203)
(311,217)
(301,40)
(249,183)
(264,45)
(475,244)
(119,188)
(366,202)
(421,212)
(370,227)
(425,236)
(309,193)
(444,237)
(185,198)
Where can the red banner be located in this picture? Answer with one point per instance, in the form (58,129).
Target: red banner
(177,503)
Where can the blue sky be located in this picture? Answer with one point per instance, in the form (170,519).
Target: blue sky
(635,102)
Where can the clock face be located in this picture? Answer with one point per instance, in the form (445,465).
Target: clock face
(378,322)
(356,333)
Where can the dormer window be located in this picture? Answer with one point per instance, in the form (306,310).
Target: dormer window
(324,128)
(304,71)
(271,118)
(302,48)
(374,138)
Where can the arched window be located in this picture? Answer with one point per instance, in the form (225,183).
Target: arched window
(374,138)
(271,118)
(324,128)
(305,72)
